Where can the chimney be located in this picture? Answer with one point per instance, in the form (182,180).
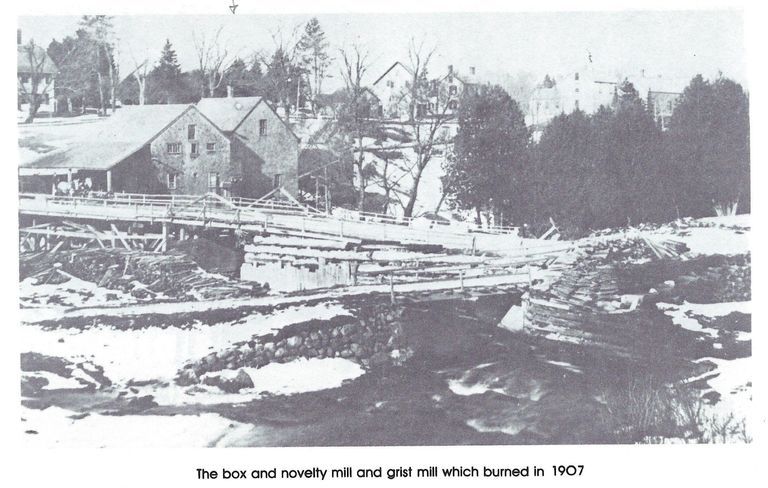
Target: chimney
(450,69)
(18,37)
(471,70)
(229,91)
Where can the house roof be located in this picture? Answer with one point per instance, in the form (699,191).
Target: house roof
(36,61)
(227,113)
(394,65)
(102,145)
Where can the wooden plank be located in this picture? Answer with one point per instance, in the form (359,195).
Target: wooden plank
(119,235)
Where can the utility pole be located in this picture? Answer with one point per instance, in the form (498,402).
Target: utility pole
(325,181)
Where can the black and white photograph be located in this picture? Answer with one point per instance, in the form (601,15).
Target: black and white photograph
(384,229)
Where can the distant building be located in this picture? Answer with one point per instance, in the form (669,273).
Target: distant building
(261,140)
(392,91)
(661,94)
(545,103)
(160,149)
(587,90)
(36,75)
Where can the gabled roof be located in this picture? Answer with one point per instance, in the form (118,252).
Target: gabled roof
(100,146)
(228,113)
(394,65)
(36,61)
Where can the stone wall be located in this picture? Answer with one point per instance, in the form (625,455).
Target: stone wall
(371,338)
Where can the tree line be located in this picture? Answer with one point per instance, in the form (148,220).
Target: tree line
(90,76)
(615,167)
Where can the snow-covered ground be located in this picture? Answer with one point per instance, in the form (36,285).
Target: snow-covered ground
(152,356)
(59,427)
(723,238)
(683,315)
(298,376)
(157,353)
(49,299)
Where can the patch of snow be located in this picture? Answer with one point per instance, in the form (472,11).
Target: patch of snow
(681,313)
(155,352)
(57,382)
(708,241)
(49,299)
(56,427)
(514,319)
(732,380)
(298,376)
(509,428)
(741,220)
(565,365)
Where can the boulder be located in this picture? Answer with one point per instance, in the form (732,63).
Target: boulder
(348,329)
(241,381)
(187,377)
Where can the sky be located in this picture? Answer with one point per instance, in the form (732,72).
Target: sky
(675,44)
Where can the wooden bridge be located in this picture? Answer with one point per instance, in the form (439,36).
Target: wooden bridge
(274,217)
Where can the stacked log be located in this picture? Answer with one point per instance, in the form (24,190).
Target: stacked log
(144,275)
(583,306)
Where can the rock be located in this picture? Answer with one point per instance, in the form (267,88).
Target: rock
(138,404)
(269,346)
(379,359)
(241,381)
(280,352)
(32,385)
(210,359)
(187,377)
(294,341)
(357,349)
(348,329)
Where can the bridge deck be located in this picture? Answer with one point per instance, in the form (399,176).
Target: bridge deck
(270,216)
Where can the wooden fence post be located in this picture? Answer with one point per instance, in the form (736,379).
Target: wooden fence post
(391,289)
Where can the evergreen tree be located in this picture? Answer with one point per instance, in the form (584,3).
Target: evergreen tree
(490,153)
(165,80)
(708,147)
(245,81)
(313,47)
(634,156)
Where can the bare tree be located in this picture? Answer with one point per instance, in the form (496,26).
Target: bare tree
(354,117)
(41,73)
(283,70)
(100,28)
(213,60)
(429,108)
(140,74)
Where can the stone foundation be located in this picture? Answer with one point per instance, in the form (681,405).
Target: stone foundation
(371,338)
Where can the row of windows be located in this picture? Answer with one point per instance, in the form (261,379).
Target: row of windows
(194,148)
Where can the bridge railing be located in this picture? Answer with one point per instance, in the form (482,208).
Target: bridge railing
(202,209)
